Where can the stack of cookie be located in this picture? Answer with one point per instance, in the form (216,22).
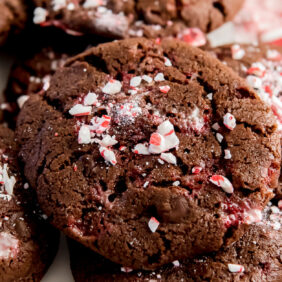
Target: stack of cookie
(154,151)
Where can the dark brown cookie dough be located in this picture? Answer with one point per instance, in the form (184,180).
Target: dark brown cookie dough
(123,19)
(256,257)
(27,243)
(262,68)
(13,18)
(135,152)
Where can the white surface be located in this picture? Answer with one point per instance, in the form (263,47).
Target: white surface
(59,270)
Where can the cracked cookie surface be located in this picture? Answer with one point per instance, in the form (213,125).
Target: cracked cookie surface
(148,153)
(27,243)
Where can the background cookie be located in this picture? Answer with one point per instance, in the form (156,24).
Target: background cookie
(27,243)
(256,257)
(122,19)
(133,148)
(13,18)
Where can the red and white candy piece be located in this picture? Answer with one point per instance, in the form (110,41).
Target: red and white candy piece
(169,158)
(9,246)
(164,89)
(112,87)
(254,81)
(167,62)
(100,124)
(79,110)
(141,149)
(84,135)
(235,268)
(92,3)
(153,224)
(39,15)
(257,69)
(159,77)
(229,121)
(196,169)
(223,182)
(193,36)
(237,52)
(108,141)
(157,143)
(91,99)
(135,81)
(126,269)
(166,129)
(108,155)
(280,204)
(273,55)
(252,216)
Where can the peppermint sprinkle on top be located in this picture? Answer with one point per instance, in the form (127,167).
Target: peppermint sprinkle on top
(222,182)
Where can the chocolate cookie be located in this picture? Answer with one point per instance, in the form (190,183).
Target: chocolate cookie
(261,66)
(148,153)
(13,18)
(123,19)
(255,257)
(27,243)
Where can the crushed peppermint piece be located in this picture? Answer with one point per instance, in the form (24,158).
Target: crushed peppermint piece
(257,69)
(108,155)
(227,154)
(169,158)
(112,87)
(108,141)
(9,182)
(252,216)
(196,169)
(219,137)
(39,15)
(147,78)
(122,148)
(176,183)
(59,4)
(254,81)
(159,77)
(193,36)
(132,91)
(92,3)
(141,149)
(84,135)
(280,204)
(80,110)
(237,52)
(21,100)
(26,186)
(91,99)
(235,268)
(157,143)
(209,96)
(126,269)
(100,124)
(161,161)
(9,246)
(135,81)
(216,126)
(146,184)
(222,182)
(153,224)
(229,121)
(176,263)
(273,55)
(164,88)
(167,62)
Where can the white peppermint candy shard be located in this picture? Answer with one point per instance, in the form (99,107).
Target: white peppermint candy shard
(153,224)
(237,52)
(135,81)
(112,87)
(9,246)
(169,158)
(147,78)
(157,143)
(141,149)
(254,81)
(91,99)
(21,100)
(84,135)
(159,77)
(9,182)
(167,62)
(235,268)
(229,121)
(222,182)
(108,141)
(39,15)
(165,128)
(108,155)
(252,216)
(219,137)
(80,110)
(126,269)
(92,3)
(227,154)
(176,263)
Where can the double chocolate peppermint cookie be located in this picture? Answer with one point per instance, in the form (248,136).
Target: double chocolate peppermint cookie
(255,257)
(27,243)
(148,153)
(122,19)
